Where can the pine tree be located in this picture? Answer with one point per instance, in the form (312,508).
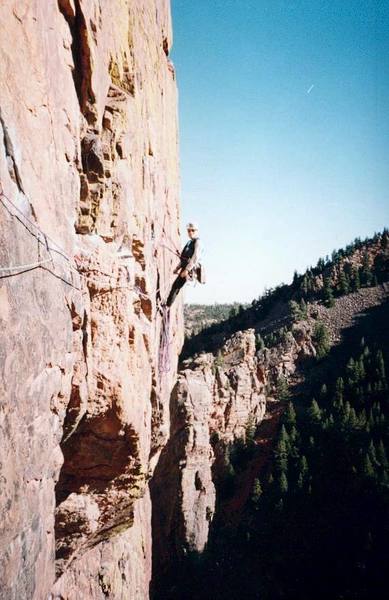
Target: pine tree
(352,418)
(314,412)
(347,408)
(283,436)
(281,454)
(366,352)
(381,455)
(339,389)
(232,313)
(289,417)
(321,339)
(323,391)
(372,453)
(356,280)
(311,282)
(343,285)
(371,420)
(328,296)
(292,439)
(304,285)
(359,370)
(367,467)
(257,492)
(294,310)
(367,275)
(283,483)
(352,372)
(362,419)
(380,366)
(259,343)
(302,470)
(282,389)
(279,506)
(250,430)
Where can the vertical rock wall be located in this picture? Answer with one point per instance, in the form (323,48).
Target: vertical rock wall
(88,156)
(212,397)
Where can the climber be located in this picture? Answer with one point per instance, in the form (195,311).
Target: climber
(189,268)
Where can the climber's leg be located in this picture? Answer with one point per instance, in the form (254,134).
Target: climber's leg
(177,285)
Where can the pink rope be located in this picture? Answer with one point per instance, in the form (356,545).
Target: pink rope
(165,343)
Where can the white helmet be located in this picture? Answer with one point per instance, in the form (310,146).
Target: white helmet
(192,226)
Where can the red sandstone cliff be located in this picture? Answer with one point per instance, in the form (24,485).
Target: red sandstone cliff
(88,154)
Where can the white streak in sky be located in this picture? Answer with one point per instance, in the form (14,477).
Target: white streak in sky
(311,88)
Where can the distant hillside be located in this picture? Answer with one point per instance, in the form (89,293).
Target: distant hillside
(282,415)
(305,514)
(361,265)
(201,316)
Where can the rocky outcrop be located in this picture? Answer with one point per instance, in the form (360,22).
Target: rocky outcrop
(88,168)
(348,308)
(215,401)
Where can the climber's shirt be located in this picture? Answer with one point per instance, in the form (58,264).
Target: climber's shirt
(190,254)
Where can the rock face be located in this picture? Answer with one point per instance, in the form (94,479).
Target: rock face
(347,308)
(207,398)
(88,169)
(215,400)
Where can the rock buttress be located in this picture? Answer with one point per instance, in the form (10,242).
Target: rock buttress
(214,402)
(88,154)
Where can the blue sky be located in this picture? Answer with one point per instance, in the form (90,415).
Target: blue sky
(284,134)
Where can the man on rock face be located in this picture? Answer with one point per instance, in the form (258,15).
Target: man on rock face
(188,262)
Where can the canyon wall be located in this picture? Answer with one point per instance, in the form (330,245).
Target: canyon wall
(215,402)
(88,204)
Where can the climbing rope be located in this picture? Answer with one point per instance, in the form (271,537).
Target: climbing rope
(170,249)
(27,267)
(45,236)
(165,342)
(43,239)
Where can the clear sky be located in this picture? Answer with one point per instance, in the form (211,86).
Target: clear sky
(284,134)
